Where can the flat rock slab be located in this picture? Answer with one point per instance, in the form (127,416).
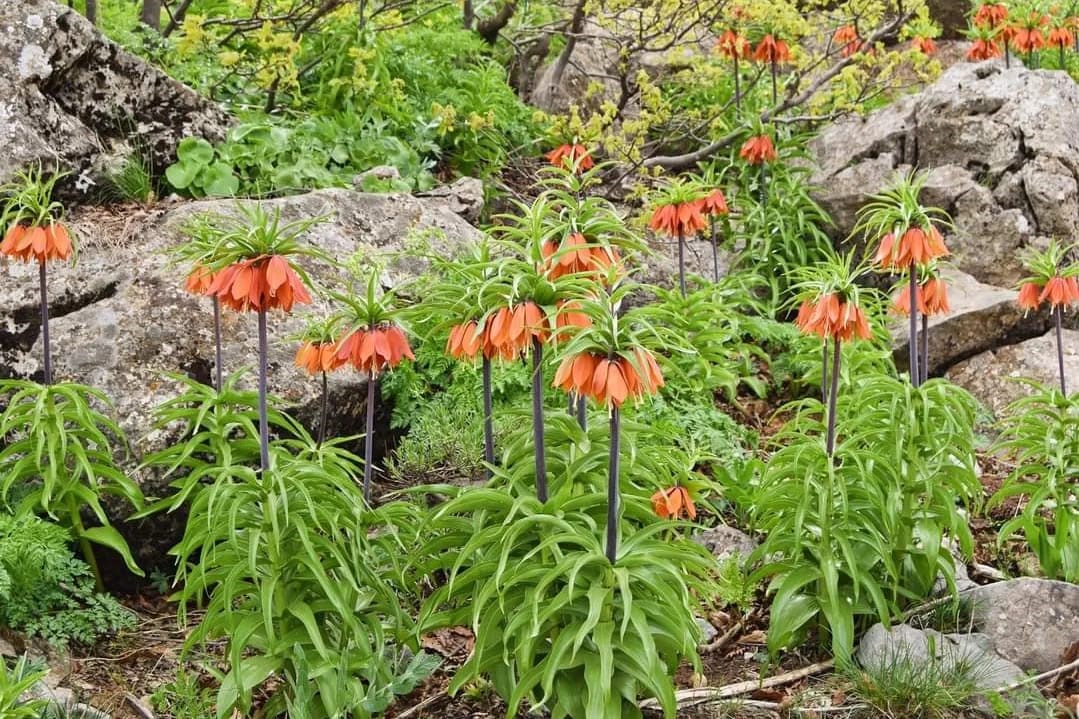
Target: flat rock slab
(983,317)
(70,98)
(1031,622)
(992,377)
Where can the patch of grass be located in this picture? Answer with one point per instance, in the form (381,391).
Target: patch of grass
(132,180)
(184,697)
(952,617)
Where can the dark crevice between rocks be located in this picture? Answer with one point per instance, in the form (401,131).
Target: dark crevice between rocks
(26,321)
(1017,335)
(1030,207)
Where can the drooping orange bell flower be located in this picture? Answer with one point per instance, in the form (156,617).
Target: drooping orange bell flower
(262,283)
(846,37)
(1028,39)
(574,155)
(758,150)
(924,45)
(1060,292)
(733,45)
(33,243)
(715,203)
(1061,38)
(375,350)
(316,357)
(932,298)
(772,50)
(1029,296)
(570,316)
(199,280)
(983,49)
(673,503)
(465,341)
(915,246)
(511,330)
(609,381)
(575,254)
(830,317)
(991,15)
(682,219)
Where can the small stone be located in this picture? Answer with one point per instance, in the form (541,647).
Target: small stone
(725,542)
(708,631)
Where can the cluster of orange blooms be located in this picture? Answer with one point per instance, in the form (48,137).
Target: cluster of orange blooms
(575,254)
(688,218)
(1024,36)
(376,349)
(51,242)
(258,284)
(576,155)
(610,381)
(509,332)
(915,246)
(758,150)
(833,317)
(1059,292)
(770,49)
(673,503)
(932,298)
(315,357)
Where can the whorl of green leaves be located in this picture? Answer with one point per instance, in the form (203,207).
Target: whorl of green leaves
(58,457)
(27,199)
(865,535)
(897,209)
(14,684)
(555,623)
(1051,262)
(1041,432)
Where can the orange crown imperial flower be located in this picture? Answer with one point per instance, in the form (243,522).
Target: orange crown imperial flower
(574,155)
(1028,39)
(915,246)
(199,280)
(758,150)
(511,330)
(1060,292)
(574,254)
(715,203)
(570,316)
(733,45)
(769,49)
(26,243)
(932,298)
(1061,38)
(673,503)
(262,283)
(831,317)
(991,15)
(375,350)
(465,341)
(610,381)
(1029,296)
(924,45)
(847,38)
(684,218)
(982,49)
(315,357)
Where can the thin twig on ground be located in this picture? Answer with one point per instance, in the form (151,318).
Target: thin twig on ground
(693,697)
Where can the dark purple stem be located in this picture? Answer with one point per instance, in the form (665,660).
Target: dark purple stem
(369,437)
(324,415)
(45,322)
(914,376)
(925,348)
(582,412)
(613,495)
(264,422)
(775,84)
(537,420)
(824,372)
(715,251)
(488,417)
(832,399)
(681,264)
(737,86)
(1060,349)
(218,364)
(571,403)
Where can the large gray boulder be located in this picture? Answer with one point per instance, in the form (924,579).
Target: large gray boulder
(70,99)
(1031,622)
(122,320)
(993,376)
(1003,151)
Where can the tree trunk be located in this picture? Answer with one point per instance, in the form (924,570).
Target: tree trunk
(575,27)
(489,28)
(468,15)
(151,14)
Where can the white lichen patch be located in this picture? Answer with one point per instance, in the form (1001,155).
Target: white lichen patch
(33,63)
(34,21)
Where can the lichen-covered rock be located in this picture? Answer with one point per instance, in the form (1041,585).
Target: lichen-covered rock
(1002,148)
(992,376)
(122,321)
(70,99)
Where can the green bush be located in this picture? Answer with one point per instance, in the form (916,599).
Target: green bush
(45,591)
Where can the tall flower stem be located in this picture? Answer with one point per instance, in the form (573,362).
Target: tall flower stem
(46,347)
(715,251)
(571,404)
(737,85)
(369,437)
(217,344)
(324,414)
(1059,313)
(775,84)
(925,348)
(488,417)
(537,420)
(84,544)
(613,495)
(582,412)
(264,422)
(681,264)
(762,189)
(914,376)
(832,399)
